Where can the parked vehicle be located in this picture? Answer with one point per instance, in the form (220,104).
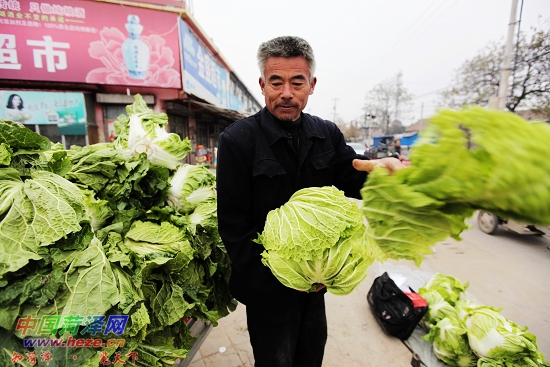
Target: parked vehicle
(489,223)
(385,146)
(358,147)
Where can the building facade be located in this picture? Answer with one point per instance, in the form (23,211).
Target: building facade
(69,68)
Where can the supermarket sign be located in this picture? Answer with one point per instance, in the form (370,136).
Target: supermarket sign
(88,42)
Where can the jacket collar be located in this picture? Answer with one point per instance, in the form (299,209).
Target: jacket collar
(273,131)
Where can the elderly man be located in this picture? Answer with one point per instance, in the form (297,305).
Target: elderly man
(262,161)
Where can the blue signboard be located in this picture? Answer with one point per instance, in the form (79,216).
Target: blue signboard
(65,109)
(235,104)
(203,76)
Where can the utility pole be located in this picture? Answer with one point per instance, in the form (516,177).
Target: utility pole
(334,109)
(505,69)
(421,115)
(369,131)
(398,85)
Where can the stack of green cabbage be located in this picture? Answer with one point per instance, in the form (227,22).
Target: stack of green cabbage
(466,334)
(463,161)
(109,229)
(317,237)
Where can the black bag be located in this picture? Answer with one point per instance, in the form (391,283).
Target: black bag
(393,309)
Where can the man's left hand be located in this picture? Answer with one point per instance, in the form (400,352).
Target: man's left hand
(389,163)
(319,288)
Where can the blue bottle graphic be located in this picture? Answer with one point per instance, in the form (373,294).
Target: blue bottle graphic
(135,52)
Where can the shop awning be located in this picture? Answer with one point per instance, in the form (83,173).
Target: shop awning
(228,114)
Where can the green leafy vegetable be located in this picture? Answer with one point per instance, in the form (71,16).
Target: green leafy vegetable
(403,222)
(190,186)
(463,158)
(317,237)
(439,308)
(88,231)
(491,335)
(460,163)
(468,331)
(450,343)
(142,131)
(449,287)
(37,212)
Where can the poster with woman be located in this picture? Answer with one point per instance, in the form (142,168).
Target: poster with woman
(65,109)
(15,109)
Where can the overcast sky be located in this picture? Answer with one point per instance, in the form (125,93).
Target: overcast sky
(358,44)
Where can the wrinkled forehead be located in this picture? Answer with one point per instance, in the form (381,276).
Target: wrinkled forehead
(287,68)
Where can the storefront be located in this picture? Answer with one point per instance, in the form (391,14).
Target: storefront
(77,64)
(53,48)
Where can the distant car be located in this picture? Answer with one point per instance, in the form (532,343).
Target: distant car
(358,147)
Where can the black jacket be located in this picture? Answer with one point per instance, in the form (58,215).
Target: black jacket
(258,170)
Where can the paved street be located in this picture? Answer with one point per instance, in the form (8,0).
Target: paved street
(506,270)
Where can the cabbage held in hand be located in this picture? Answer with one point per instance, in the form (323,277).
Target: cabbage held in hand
(484,159)
(317,237)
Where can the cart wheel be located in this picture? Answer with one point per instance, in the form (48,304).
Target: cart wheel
(487,222)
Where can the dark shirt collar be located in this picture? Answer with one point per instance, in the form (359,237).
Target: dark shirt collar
(273,131)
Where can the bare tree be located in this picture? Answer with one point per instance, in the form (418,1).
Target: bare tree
(387,100)
(350,130)
(478,79)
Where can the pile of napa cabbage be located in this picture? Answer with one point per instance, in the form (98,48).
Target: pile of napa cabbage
(109,229)
(466,334)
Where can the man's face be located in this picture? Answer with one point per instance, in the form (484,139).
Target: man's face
(287,86)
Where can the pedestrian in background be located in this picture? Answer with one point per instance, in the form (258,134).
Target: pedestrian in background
(262,160)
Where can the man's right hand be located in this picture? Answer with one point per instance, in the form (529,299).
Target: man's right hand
(389,163)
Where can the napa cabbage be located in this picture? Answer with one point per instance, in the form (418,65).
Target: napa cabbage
(464,159)
(494,340)
(5,154)
(142,131)
(450,342)
(148,239)
(36,211)
(317,237)
(189,186)
(449,287)
(460,163)
(87,231)
(205,215)
(491,335)
(439,308)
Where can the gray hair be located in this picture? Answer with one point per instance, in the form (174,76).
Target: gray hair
(287,47)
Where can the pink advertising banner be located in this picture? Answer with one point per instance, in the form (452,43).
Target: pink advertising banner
(176,3)
(89,42)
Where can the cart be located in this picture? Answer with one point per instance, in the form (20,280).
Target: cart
(196,328)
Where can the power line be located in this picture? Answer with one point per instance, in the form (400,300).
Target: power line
(428,93)
(391,50)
